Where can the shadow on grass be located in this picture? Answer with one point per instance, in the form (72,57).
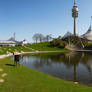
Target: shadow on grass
(89,47)
(10,64)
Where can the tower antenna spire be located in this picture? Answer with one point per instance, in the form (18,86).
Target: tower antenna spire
(74,2)
(14,35)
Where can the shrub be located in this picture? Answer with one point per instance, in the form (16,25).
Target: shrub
(58,43)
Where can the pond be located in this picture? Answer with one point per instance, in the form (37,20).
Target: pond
(73,66)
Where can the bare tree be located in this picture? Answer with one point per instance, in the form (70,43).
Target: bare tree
(36,37)
(48,38)
(41,38)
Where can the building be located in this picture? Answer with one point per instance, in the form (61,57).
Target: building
(13,42)
(7,43)
(24,42)
(18,43)
(88,35)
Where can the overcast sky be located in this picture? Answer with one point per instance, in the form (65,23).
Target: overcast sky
(27,17)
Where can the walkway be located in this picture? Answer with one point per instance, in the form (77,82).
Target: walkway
(4,56)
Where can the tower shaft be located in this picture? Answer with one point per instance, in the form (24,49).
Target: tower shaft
(75,27)
(75,15)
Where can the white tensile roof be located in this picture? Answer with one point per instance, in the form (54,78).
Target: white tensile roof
(88,34)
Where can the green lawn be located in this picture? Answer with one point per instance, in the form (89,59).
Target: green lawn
(23,79)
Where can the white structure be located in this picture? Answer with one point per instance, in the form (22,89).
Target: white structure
(24,42)
(88,34)
(7,43)
(13,42)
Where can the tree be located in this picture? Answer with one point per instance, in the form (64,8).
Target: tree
(36,37)
(48,38)
(59,37)
(41,37)
(58,43)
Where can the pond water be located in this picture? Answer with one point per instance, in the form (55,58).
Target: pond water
(73,66)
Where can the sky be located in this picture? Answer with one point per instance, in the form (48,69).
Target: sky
(27,17)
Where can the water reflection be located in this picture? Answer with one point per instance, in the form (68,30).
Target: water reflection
(73,66)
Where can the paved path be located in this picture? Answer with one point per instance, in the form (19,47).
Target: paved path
(3,56)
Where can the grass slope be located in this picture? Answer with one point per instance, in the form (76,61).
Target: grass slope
(44,46)
(3,50)
(23,79)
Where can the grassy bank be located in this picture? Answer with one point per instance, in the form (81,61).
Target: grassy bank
(23,79)
(45,46)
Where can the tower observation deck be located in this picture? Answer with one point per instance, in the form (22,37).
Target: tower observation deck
(75,15)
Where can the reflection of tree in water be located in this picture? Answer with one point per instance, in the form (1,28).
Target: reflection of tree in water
(73,59)
(68,59)
(47,59)
(87,61)
(41,62)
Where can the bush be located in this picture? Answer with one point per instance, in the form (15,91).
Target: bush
(58,43)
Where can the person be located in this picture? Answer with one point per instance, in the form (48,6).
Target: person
(16,57)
